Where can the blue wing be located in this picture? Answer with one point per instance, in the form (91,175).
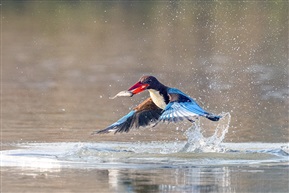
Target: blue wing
(182,106)
(146,114)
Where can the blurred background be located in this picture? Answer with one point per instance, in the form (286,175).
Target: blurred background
(61,60)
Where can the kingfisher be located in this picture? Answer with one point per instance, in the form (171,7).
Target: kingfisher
(165,104)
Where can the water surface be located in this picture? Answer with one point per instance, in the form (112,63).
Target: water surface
(148,167)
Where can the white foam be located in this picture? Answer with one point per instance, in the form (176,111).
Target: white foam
(196,142)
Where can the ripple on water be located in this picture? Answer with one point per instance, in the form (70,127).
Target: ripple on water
(196,151)
(127,155)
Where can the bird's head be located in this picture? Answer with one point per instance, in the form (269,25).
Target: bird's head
(145,82)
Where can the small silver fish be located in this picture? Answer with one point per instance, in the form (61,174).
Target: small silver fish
(124,93)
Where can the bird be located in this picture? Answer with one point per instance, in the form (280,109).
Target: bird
(165,104)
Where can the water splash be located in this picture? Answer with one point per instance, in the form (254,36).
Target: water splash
(198,143)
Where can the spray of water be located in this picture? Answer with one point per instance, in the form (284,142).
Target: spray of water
(198,143)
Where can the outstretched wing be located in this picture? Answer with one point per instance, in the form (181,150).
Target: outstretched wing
(182,107)
(145,114)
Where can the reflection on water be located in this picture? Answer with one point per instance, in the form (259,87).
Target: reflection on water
(205,179)
(62,60)
(198,180)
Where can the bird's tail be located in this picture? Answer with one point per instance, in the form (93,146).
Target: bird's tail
(213,117)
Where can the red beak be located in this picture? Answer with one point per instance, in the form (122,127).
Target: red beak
(138,87)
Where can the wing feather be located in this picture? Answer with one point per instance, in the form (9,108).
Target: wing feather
(145,114)
(182,107)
